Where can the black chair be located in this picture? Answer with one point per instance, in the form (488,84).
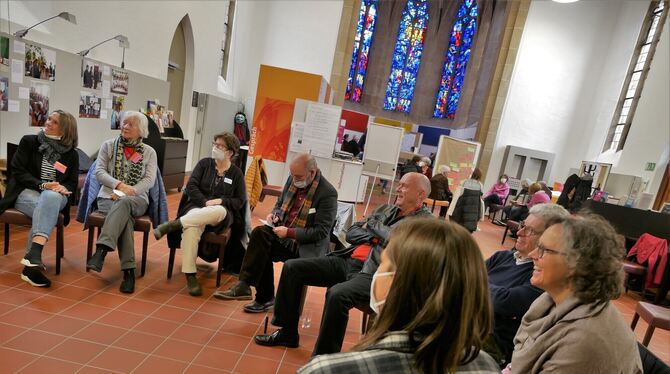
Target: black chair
(220,240)
(650,363)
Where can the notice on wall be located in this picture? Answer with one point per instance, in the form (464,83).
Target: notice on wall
(323,114)
(17,71)
(106,71)
(12,105)
(108,103)
(24,93)
(19,47)
(103,114)
(105,89)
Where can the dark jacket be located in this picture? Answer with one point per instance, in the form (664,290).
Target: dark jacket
(313,239)
(376,233)
(25,173)
(200,188)
(439,188)
(468,209)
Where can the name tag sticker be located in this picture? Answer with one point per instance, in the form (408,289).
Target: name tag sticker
(227,180)
(60,167)
(312,210)
(137,157)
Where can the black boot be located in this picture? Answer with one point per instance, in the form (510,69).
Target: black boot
(98,259)
(128,283)
(167,227)
(34,256)
(193,285)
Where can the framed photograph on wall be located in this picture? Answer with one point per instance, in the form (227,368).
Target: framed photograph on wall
(40,63)
(119,82)
(89,105)
(91,74)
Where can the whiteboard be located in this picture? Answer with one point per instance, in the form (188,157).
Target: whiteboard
(382,149)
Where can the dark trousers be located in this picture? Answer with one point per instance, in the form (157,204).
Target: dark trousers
(265,248)
(348,288)
(492,199)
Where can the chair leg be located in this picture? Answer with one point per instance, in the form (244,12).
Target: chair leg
(303,298)
(6,238)
(59,247)
(219,266)
(171,262)
(647,335)
(364,323)
(504,235)
(636,317)
(89,247)
(145,246)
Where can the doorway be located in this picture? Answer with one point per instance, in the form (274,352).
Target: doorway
(176,71)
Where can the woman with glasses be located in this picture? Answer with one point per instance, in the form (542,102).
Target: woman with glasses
(213,200)
(573,327)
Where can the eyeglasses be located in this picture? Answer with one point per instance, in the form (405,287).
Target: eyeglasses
(541,250)
(529,231)
(219,146)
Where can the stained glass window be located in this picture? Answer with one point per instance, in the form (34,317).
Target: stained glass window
(367,17)
(456,60)
(407,56)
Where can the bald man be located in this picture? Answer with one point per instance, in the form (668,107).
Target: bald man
(298,227)
(346,273)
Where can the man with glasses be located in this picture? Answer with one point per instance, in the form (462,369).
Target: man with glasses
(510,272)
(298,227)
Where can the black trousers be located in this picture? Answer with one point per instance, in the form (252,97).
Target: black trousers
(348,288)
(265,248)
(491,199)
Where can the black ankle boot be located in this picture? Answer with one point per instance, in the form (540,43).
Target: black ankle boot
(98,259)
(128,283)
(34,256)
(167,227)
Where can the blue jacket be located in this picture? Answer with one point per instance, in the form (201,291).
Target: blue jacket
(158,210)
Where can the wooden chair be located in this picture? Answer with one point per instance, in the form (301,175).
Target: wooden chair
(654,315)
(511,225)
(14,217)
(142,224)
(433,203)
(210,238)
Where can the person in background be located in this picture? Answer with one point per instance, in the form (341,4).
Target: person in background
(345,147)
(467,207)
(214,199)
(426,170)
(439,188)
(299,226)
(545,188)
(126,169)
(509,276)
(497,193)
(411,166)
(44,173)
(439,327)
(536,196)
(520,199)
(573,327)
(353,146)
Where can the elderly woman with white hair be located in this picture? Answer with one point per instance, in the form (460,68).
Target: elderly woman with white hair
(126,169)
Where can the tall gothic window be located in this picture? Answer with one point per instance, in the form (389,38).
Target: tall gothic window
(407,56)
(367,17)
(456,61)
(637,73)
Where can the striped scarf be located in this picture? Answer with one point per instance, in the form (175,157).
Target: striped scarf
(301,219)
(132,174)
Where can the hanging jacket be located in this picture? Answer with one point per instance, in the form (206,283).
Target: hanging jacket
(468,205)
(255,179)
(568,187)
(653,251)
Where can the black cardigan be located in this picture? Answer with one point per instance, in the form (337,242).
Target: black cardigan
(200,188)
(26,168)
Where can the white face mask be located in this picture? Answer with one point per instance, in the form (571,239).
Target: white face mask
(503,180)
(300,184)
(218,154)
(374,303)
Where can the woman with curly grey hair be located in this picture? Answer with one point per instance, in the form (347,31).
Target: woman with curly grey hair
(573,327)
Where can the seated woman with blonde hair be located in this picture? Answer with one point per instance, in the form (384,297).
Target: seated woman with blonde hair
(573,327)
(435,313)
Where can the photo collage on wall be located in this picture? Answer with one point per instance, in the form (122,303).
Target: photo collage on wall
(4,68)
(99,81)
(40,67)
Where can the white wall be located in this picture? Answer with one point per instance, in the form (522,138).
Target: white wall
(567,79)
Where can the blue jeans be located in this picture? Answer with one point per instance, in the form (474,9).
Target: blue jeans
(43,207)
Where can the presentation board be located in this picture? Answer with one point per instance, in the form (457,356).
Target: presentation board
(460,155)
(314,128)
(64,84)
(382,148)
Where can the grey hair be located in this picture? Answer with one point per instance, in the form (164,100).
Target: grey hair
(594,253)
(550,214)
(527,182)
(426,160)
(141,120)
(444,169)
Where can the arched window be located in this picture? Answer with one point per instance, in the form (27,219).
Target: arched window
(407,56)
(456,61)
(367,17)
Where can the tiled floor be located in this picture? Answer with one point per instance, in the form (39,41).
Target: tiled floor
(83,324)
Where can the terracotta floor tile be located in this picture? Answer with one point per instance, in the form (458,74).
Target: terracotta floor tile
(73,293)
(186,302)
(240,327)
(106,300)
(13,360)
(230,342)
(193,334)
(139,307)
(297,356)
(288,368)
(217,358)
(241,315)
(121,319)
(26,317)
(94,370)
(173,285)
(171,313)
(5,308)
(9,279)
(156,326)
(217,307)
(18,297)
(32,341)
(153,365)
(139,341)
(178,350)
(62,325)
(207,321)
(76,350)
(254,365)
(153,295)
(92,282)
(271,353)
(99,333)
(118,360)
(51,304)
(85,311)
(9,332)
(50,365)
(199,369)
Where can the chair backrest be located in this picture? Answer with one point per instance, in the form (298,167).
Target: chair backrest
(11,151)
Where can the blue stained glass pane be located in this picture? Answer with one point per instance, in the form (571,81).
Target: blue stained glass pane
(365,27)
(407,56)
(456,60)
